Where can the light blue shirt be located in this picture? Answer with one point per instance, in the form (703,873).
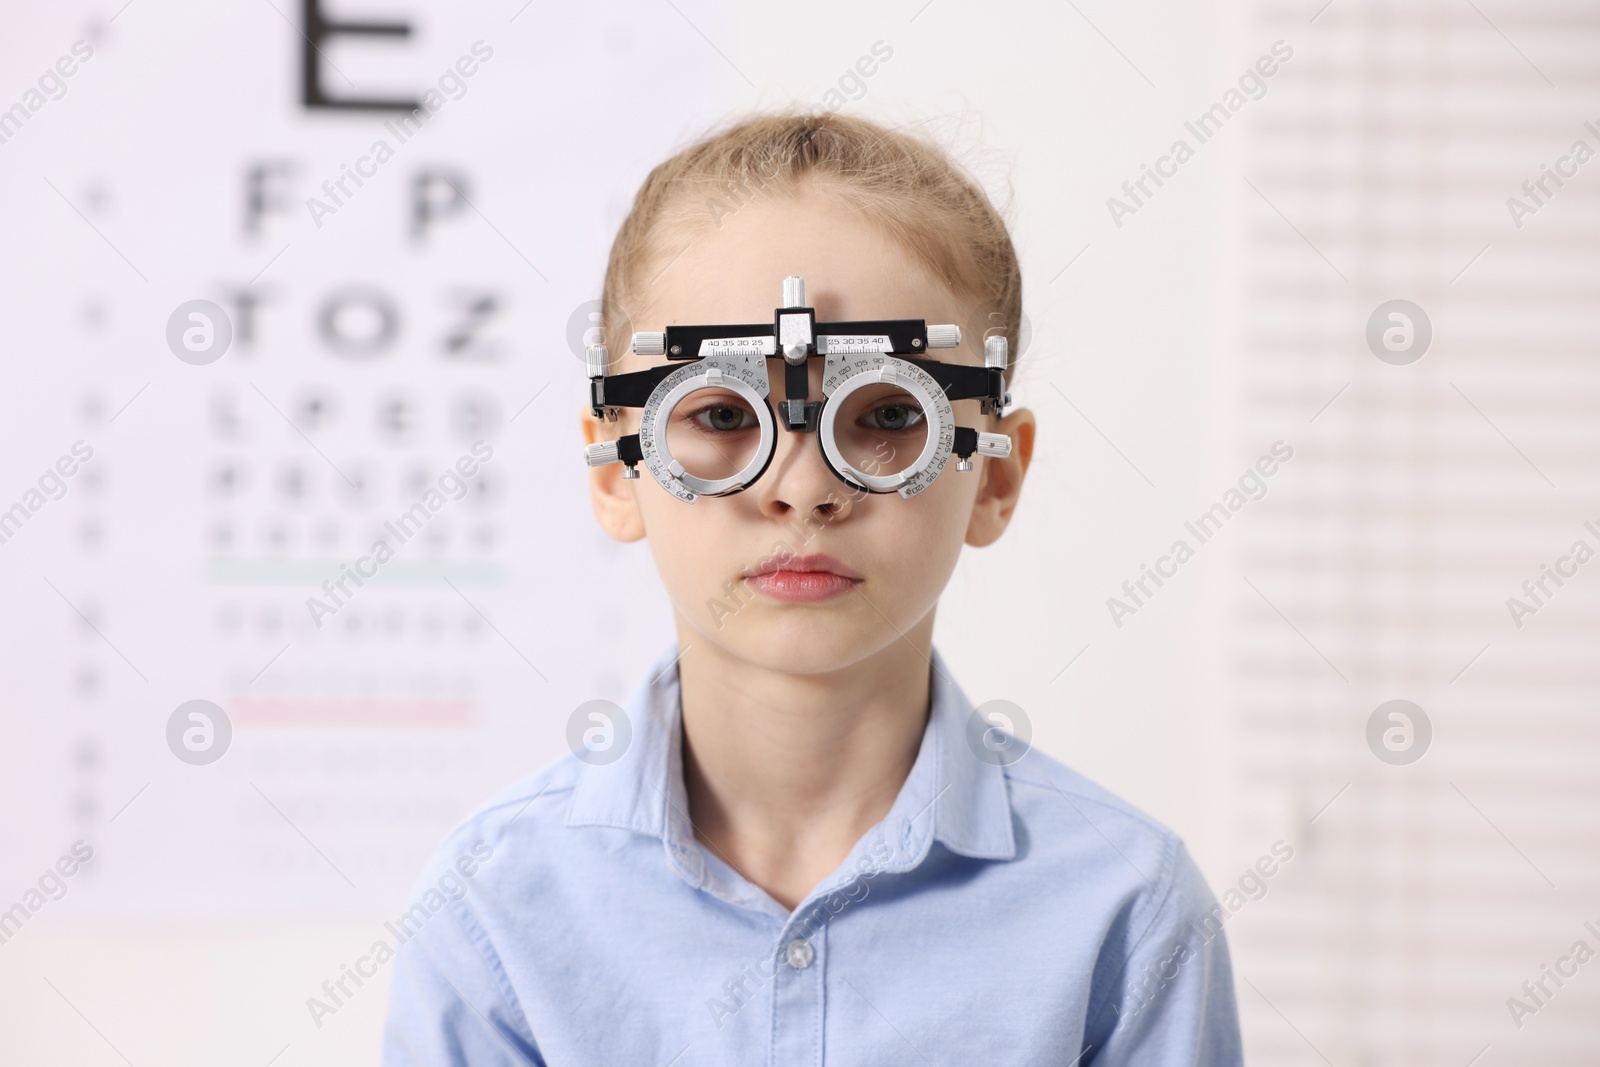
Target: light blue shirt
(1009,914)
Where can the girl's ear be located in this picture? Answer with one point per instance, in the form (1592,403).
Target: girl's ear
(615,504)
(1002,480)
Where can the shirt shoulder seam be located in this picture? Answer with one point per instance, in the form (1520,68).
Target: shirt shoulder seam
(1112,804)
(485,814)
(491,959)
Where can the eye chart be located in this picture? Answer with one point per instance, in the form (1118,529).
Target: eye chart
(294,301)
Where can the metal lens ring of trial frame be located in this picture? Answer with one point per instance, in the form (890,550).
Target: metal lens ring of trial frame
(733,359)
(848,371)
(728,370)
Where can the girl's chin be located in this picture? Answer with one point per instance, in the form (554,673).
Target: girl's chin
(802,639)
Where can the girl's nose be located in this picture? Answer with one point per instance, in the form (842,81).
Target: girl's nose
(798,481)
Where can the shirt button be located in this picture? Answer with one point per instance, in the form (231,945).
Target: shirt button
(799,953)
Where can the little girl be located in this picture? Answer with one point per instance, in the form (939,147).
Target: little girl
(802,845)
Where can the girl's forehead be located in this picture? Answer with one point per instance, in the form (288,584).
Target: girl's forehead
(734,271)
(702,287)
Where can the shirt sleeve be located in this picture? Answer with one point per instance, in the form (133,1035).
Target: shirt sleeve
(450,1002)
(1173,1001)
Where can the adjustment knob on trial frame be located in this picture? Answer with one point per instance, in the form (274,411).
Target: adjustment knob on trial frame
(989,444)
(602,452)
(994,444)
(995,352)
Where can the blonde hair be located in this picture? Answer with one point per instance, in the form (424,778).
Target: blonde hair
(908,186)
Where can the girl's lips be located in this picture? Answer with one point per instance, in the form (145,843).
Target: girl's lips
(803,586)
(816,561)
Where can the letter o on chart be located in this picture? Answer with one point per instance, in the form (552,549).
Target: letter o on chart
(358,322)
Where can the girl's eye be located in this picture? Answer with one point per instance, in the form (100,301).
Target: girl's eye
(723,418)
(893,417)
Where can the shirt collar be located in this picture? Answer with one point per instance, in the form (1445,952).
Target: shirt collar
(951,795)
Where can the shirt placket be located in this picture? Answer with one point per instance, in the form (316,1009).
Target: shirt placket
(800,990)
(798,996)
(798,958)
